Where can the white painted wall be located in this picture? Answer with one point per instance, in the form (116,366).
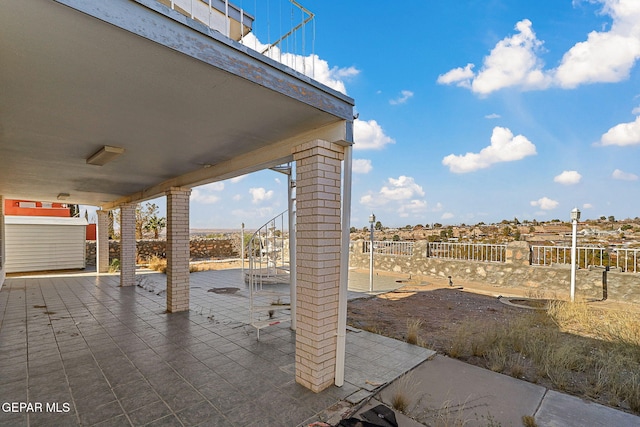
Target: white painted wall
(44,243)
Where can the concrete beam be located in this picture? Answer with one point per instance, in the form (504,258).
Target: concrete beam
(262,158)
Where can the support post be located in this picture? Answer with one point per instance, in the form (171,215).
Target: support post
(128,244)
(102,243)
(178,251)
(318,235)
(344,267)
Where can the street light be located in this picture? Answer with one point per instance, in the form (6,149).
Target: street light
(575,217)
(372,220)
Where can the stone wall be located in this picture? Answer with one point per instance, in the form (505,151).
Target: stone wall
(201,249)
(516,272)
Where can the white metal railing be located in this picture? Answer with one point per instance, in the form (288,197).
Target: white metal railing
(627,260)
(467,251)
(268,253)
(385,247)
(218,15)
(284,29)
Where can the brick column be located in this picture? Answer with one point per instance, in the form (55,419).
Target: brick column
(102,243)
(178,249)
(318,235)
(128,244)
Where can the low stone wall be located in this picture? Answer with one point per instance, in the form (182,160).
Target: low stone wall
(201,248)
(516,272)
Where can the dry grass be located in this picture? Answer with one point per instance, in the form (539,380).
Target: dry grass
(157,264)
(404,391)
(529,421)
(160,264)
(413,330)
(574,346)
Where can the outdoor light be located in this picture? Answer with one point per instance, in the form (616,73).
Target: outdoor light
(575,216)
(63,196)
(372,220)
(104,155)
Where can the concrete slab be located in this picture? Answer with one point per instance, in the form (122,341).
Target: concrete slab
(562,410)
(450,392)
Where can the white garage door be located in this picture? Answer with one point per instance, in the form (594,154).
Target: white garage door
(44,243)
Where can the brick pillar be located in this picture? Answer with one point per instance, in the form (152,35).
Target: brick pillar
(102,243)
(178,249)
(318,235)
(128,244)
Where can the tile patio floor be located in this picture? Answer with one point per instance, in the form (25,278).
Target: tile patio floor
(111,356)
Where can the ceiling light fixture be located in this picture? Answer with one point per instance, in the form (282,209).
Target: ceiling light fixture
(63,196)
(104,155)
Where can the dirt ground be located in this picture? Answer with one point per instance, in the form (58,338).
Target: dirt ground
(447,312)
(441,310)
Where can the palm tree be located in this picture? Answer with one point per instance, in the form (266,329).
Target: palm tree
(156,225)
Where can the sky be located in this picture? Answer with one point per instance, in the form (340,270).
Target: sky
(469,111)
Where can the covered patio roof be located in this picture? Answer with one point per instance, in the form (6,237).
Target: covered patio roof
(188,105)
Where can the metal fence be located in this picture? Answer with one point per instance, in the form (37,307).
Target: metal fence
(627,260)
(467,251)
(389,248)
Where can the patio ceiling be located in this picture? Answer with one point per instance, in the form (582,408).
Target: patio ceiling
(187,105)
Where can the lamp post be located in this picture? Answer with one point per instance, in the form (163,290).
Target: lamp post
(372,220)
(575,217)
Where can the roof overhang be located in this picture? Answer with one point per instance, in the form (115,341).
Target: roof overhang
(188,105)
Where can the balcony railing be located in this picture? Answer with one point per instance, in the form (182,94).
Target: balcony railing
(282,30)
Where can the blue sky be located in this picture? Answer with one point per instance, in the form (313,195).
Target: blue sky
(471,111)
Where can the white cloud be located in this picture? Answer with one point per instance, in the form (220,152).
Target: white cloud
(545,203)
(568,178)
(260,194)
(504,148)
(361,166)
(404,97)
(238,178)
(512,62)
(204,193)
(403,192)
(402,188)
(312,65)
(623,134)
(447,215)
(368,135)
(460,76)
(413,207)
(605,56)
(492,116)
(587,206)
(624,176)
(237,197)
(636,111)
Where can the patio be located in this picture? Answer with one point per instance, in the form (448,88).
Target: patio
(110,355)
